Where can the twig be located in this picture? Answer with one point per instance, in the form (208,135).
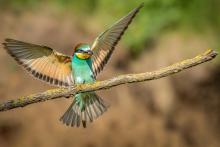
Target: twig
(106,84)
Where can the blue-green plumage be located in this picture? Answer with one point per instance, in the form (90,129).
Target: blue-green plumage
(82,74)
(86,106)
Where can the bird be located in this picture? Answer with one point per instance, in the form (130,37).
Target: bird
(57,69)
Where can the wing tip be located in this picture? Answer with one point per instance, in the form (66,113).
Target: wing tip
(6,40)
(14,41)
(4,44)
(139,7)
(9,40)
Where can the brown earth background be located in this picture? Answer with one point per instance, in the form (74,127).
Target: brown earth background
(182,110)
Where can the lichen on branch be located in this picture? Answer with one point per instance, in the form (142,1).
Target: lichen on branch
(106,84)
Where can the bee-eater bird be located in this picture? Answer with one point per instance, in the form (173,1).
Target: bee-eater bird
(61,70)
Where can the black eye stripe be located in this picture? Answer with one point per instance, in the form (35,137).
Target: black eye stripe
(80,51)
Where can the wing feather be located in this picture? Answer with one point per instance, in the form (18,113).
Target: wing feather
(105,43)
(42,62)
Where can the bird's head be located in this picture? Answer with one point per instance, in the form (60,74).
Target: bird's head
(83,51)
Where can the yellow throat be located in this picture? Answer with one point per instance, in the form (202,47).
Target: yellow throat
(83,55)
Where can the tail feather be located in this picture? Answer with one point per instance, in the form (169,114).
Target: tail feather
(78,117)
(66,116)
(73,120)
(93,107)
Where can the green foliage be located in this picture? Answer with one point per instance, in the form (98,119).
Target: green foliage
(156,16)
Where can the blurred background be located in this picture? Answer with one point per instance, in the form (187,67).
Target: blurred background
(180,110)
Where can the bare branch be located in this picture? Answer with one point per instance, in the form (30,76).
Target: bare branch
(123,79)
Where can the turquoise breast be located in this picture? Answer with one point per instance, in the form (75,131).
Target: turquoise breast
(82,70)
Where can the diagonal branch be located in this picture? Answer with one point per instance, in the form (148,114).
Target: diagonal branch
(106,84)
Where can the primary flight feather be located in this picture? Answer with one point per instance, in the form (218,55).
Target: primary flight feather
(61,70)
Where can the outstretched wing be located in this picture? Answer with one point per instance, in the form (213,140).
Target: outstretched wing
(42,62)
(105,43)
